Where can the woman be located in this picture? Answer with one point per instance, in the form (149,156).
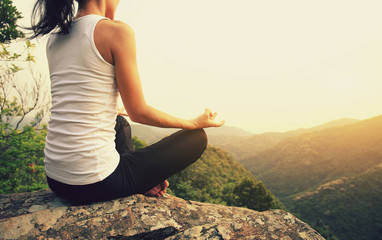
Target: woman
(88,151)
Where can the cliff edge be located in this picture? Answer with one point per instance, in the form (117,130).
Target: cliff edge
(43,215)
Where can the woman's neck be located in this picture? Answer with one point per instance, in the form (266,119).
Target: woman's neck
(92,7)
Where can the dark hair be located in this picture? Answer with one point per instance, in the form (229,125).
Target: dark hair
(48,15)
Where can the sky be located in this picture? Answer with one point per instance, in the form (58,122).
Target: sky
(262,65)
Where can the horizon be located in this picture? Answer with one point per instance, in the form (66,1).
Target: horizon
(264,67)
(270,131)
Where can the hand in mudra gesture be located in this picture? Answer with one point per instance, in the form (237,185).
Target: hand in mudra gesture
(207,119)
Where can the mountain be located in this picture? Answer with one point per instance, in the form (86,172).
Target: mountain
(217,178)
(239,143)
(300,163)
(332,124)
(349,208)
(227,131)
(331,178)
(244,147)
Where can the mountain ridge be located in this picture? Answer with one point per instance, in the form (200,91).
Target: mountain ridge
(233,139)
(314,148)
(345,209)
(245,147)
(330,178)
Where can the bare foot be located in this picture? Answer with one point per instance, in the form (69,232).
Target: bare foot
(164,185)
(158,190)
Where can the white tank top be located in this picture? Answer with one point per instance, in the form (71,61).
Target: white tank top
(80,146)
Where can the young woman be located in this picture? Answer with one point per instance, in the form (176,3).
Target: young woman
(88,151)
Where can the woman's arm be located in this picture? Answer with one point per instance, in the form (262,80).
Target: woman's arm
(123,51)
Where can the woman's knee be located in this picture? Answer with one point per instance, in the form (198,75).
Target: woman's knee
(199,138)
(202,138)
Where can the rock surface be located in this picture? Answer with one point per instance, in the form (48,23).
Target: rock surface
(43,215)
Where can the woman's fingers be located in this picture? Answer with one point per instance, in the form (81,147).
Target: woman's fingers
(221,123)
(210,114)
(217,124)
(207,119)
(207,112)
(211,118)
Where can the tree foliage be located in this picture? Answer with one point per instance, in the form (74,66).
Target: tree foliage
(22,160)
(23,104)
(19,98)
(8,19)
(217,178)
(311,164)
(349,208)
(304,162)
(246,191)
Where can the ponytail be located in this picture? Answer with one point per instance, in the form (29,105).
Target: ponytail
(48,15)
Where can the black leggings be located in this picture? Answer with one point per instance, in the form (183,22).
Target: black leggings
(138,171)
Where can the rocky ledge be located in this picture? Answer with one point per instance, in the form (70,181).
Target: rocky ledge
(43,215)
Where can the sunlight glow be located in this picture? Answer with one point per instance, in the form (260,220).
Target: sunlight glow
(263,65)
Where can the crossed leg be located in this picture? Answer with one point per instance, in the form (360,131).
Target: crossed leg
(147,169)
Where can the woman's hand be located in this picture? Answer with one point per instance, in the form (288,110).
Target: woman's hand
(207,119)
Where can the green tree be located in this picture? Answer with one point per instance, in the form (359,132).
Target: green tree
(217,178)
(8,19)
(23,104)
(22,160)
(18,98)
(253,195)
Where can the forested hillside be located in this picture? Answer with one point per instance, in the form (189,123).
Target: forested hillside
(302,163)
(246,147)
(217,178)
(240,144)
(348,208)
(330,177)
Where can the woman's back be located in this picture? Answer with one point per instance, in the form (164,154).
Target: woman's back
(88,153)
(80,145)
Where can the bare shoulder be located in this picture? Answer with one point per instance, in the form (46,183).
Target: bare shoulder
(116,29)
(113,38)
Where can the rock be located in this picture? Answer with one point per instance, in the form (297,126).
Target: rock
(43,215)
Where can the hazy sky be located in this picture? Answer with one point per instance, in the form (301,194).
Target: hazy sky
(263,65)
